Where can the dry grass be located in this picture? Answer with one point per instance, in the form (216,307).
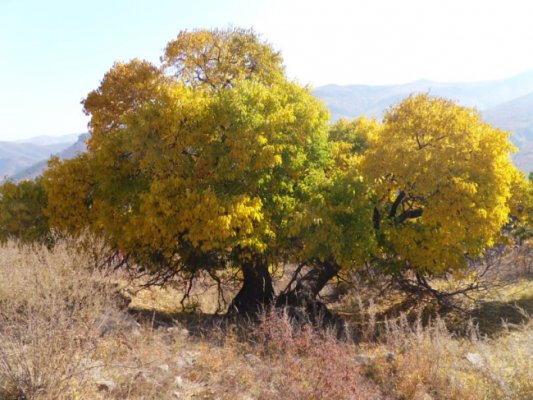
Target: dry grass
(63,335)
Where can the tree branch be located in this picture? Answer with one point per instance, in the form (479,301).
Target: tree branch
(376,219)
(410,214)
(396,204)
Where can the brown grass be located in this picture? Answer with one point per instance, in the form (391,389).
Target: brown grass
(64,335)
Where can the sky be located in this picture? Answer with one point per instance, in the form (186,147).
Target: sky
(53,52)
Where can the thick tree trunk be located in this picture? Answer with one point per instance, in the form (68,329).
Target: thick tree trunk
(302,301)
(257,292)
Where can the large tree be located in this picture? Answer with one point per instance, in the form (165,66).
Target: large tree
(214,162)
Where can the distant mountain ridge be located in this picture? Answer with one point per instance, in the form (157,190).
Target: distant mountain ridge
(44,140)
(38,168)
(350,101)
(27,158)
(505,103)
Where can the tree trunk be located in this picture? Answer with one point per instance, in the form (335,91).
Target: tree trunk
(257,292)
(304,295)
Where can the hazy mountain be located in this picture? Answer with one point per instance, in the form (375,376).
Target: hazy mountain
(354,100)
(45,140)
(506,103)
(16,156)
(516,116)
(27,154)
(37,168)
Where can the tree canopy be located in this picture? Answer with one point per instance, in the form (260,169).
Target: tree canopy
(442,181)
(219,58)
(214,161)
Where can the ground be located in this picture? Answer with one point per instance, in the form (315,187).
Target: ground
(65,334)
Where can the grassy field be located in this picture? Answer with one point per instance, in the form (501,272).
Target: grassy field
(66,332)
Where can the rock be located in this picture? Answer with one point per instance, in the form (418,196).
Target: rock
(390,357)
(178,381)
(110,322)
(188,358)
(164,367)
(181,363)
(252,359)
(475,359)
(106,384)
(94,367)
(184,332)
(142,375)
(364,359)
(177,395)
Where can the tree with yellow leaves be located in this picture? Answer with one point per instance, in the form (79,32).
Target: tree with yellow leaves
(218,58)
(214,162)
(442,182)
(124,88)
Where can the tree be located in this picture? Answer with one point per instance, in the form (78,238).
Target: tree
(220,57)
(442,180)
(219,165)
(68,185)
(22,213)
(521,205)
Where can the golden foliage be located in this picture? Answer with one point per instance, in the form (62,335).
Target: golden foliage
(218,153)
(125,87)
(452,176)
(219,58)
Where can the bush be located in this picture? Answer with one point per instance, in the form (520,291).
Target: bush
(50,308)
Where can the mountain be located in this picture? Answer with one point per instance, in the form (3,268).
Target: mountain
(37,168)
(45,140)
(354,100)
(24,155)
(516,116)
(16,156)
(505,103)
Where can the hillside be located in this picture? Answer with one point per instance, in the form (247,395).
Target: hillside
(67,334)
(516,116)
(37,169)
(15,157)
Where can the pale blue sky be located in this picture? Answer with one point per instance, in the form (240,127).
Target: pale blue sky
(52,53)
